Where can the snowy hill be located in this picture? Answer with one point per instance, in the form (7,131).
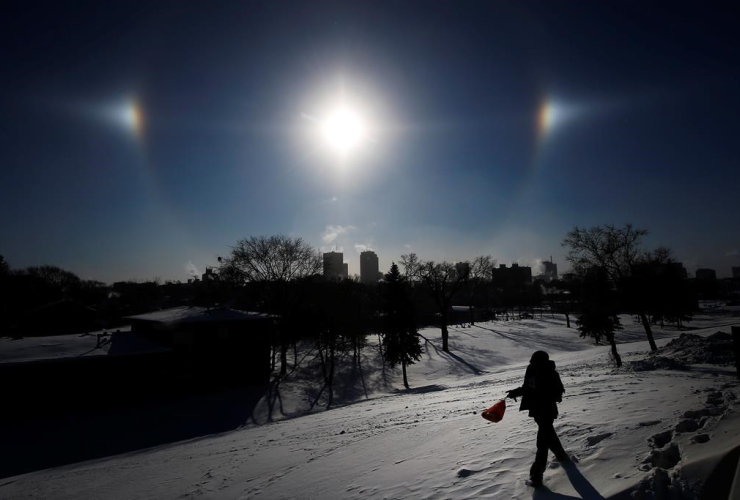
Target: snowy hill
(430,442)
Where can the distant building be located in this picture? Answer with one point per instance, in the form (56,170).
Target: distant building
(550,270)
(369,267)
(706,275)
(513,276)
(209,275)
(345,271)
(333,265)
(677,268)
(735,272)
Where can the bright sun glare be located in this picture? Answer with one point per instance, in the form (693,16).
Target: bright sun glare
(343,130)
(129,114)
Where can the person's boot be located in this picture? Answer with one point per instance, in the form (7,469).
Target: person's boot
(535,481)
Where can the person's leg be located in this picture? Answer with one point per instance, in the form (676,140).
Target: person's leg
(540,459)
(554,442)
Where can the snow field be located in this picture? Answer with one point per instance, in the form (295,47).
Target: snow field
(431,442)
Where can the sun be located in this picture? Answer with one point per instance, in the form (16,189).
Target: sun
(343,130)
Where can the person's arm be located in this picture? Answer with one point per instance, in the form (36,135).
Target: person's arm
(524,389)
(515,393)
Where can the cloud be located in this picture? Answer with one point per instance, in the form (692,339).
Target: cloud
(359,247)
(536,265)
(332,232)
(335,248)
(192,270)
(731,253)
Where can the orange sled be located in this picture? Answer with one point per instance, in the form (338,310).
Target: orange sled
(496,412)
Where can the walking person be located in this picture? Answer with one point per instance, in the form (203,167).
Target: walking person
(540,393)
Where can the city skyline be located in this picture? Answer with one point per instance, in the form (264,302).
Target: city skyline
(143,140)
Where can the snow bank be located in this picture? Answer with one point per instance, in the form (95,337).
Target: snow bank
(689,349)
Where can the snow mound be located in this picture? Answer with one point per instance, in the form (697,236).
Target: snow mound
(662,484)
(654,362)
(688,349)
(693,349)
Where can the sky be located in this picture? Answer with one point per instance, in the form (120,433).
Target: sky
(144,139)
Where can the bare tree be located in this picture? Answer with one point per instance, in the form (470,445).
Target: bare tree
(619,253)
(442,282)
(275,258)
(273,263)
(481,270)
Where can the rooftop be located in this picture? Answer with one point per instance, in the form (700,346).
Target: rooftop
(188,314)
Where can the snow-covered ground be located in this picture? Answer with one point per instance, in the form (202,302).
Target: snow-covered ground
(380,441)
(64,346)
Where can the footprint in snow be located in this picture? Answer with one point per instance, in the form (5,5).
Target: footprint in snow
(465,472)
(665,458)
(700,438)
(661,439)
(690,425)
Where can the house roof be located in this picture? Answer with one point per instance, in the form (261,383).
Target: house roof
(193,314)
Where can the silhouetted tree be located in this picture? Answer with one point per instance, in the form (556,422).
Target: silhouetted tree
(4,266)
(564,298)
(618,252)
(441,280)
(598,317)
(480,282)
(273,263)
(400,337)
(656,286)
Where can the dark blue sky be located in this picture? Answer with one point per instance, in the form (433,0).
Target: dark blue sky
(644,129)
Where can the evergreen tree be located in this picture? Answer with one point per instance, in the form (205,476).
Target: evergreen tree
(401,341)
(598,318)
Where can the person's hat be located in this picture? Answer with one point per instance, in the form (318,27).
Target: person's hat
(539,357)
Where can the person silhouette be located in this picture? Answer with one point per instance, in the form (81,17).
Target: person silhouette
(541,392)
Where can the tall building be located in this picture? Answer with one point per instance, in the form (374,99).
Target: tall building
(345,271)
(551,270)
(369,267)
(209,275)
(706,275)
(513,276)
(735,272)
(333,265)
(677,269)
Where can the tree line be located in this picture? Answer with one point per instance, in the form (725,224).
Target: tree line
(611,273)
